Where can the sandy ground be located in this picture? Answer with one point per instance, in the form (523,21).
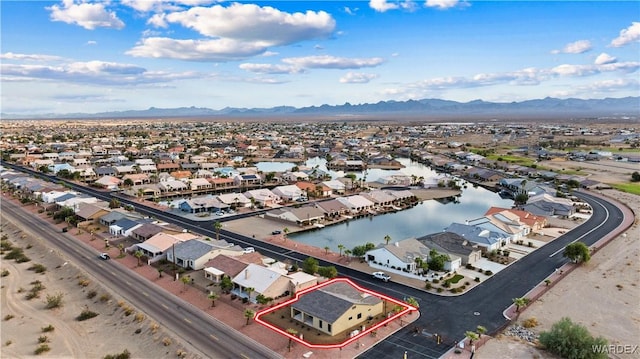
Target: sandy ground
(605,171)
(603,295)
(111,332)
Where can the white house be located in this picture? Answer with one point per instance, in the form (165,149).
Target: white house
(263,197)
(356,203)
(289,192)
(400,257)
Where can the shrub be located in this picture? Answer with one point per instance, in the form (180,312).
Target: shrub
(8,317)
(139,317)
(48,328)
(105,297)
(428,286)
(124,355)
(91,294)
(38,268)
(530,322)
(8,342)
(54,300)
(570,340)
(166,341)
(128,311)
(42,348)
(86,314)
(488,272)
(83,282)
(439,290)
(477,279)
(43,339)
(154,327)
(436,281)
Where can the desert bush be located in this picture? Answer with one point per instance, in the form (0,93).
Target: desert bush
(530,322)
(139,317)
(128,311)
(54,300)
(29,246)
(86,314)
(17,254)
(38,268)
(43,339)
(83,282)
(121,303)
(428,286)
(8,317)
(8,342)
(5,272)
(91,294)
(572,341)
(154,327)
(105,297)
(477,279)
(181,353)
(166,341)
(42,348)
(124,355)
(48,328)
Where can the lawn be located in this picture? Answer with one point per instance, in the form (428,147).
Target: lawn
(633,188)
(523,161)
(455,279)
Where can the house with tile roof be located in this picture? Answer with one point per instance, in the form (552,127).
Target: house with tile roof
(336,308)
(267,281)
(453,244)
(194,254)
(289,192)
(400,257)
(484,238)
(535,222)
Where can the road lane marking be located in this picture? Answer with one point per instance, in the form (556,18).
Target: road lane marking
(114,273)
(165,306)
(187,320)
(214,337)
(145,294)
(128,283)
(244,356)
(586,234)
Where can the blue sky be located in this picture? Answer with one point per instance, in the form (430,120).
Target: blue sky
(90,56)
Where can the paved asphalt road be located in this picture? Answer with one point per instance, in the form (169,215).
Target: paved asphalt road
(448,316)
(211,337)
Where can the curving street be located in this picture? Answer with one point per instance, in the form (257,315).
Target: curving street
(448,316)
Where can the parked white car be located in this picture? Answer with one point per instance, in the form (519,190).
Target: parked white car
(249,250)
(382,276)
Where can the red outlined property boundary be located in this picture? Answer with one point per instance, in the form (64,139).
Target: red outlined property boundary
(406,310)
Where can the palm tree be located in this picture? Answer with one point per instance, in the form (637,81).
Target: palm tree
(340,247)
(413,302)
(185,280)
(481,330)
(291,331)
(520,302)
(347,252)
(212,296)
(387,239)
(326,249)
(138,254)
(471,336)
(286,231)
(249,290)
(248,313)
(217,226)
(121,248)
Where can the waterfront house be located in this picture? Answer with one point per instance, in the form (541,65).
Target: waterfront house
(453,245)
(332,208)
(336,186)
(484,238)
(194,253)
(401,256)
(263,197)
(289,192)
(356,203)
(536,223)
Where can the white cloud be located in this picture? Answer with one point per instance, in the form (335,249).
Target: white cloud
(383,5)
(604,58)
(163,5)
(92,72)
(357,78)
(91,42)
(196,50)
(87,15)
(441,4)
(269,68)
(350,11)
(577,47)
(29,57)
(332,62)
(627,36)
(249,22)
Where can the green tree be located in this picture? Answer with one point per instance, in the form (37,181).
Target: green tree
(217,226)
(326,249)
(347,253)
(577,252)
(437,260)
(212,297)
(291,332)
(128,182)
(480,330)
(249,290)
(572,341)
(121,249)
(328,272)
(310,265)
(114,203)
(185,280)
(471,336)
(521,198)
(520,302)
(286,230)
(387,239)
(635,176)
(340,248)
(138,254)
(226,284)
(413,302)
(248,313)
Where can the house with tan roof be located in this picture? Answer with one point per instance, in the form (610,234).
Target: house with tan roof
(332,208)
(229,266)
(401,256)
(156,247)
(270,282)
(535,222)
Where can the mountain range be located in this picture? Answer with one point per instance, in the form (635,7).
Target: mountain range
(627,107)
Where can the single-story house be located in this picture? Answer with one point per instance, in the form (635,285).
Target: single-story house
(289,192)
(336,308)
(453,245)
(269,281)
